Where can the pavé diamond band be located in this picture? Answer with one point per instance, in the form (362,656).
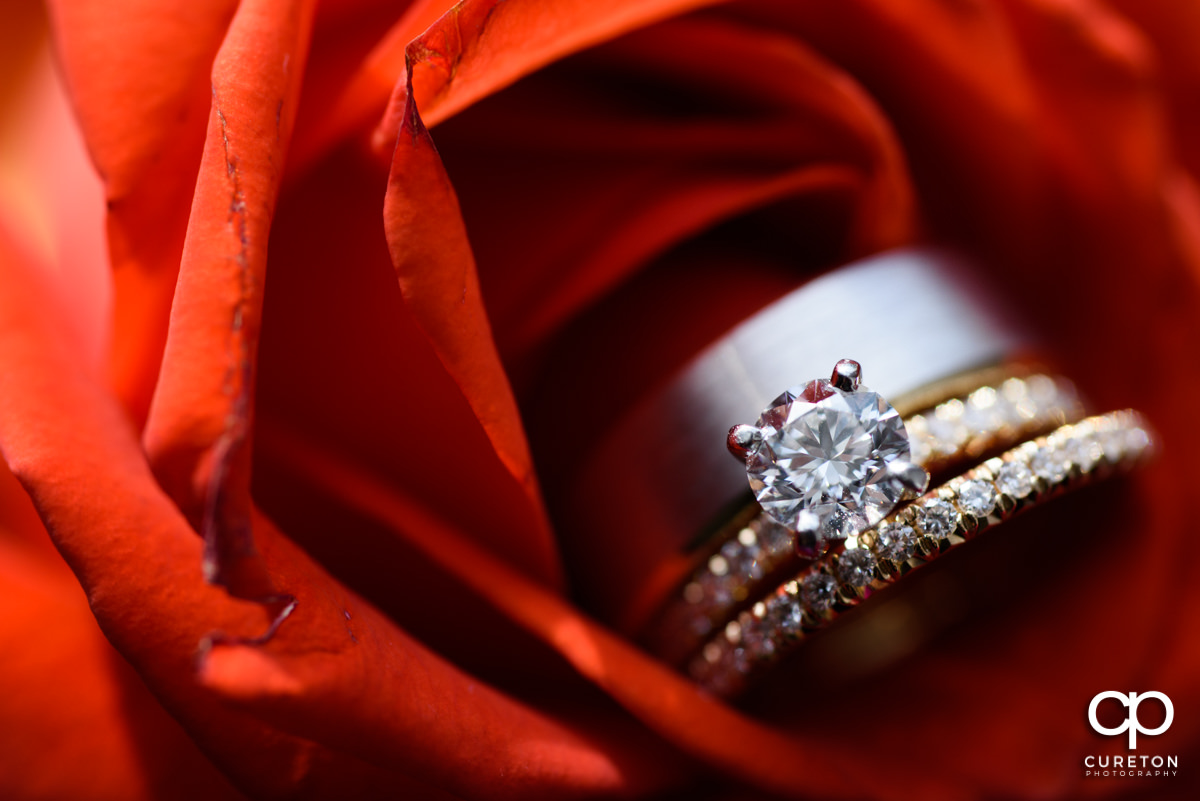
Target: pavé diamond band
(955,512)
(948,436)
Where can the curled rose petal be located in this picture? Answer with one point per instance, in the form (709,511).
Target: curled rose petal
(198,431)
(437,275)
(1170,29)
(342,362)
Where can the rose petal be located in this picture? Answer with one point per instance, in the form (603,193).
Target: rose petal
(767,757)
(1006,157)
(74,701)
(456,36)
(606,181)
(1172,28)
(480,47)
(198,428)
(139,564)
(130,100)
(72,448)
(143,118)
(359,97)
(353,681)
(1001,111)
(342,362)
(436,271)
(20,40)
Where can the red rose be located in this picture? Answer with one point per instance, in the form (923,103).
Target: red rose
(300,502)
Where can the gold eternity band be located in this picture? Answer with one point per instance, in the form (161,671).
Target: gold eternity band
(957,511)
(755,549)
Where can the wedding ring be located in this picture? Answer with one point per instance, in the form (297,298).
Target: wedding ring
(957,511)
(756,548)
(634,498)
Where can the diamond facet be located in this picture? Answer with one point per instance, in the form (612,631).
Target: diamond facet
(825,450)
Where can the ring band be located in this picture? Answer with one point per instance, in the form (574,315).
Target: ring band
(756,549)
(959,510)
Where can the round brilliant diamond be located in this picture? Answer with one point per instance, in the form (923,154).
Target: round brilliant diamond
(825,450)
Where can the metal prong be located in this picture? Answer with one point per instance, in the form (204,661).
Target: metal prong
(808,540)
(847,374)
(741,439)
(913,477)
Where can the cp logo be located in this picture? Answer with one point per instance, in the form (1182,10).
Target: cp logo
(1131,722)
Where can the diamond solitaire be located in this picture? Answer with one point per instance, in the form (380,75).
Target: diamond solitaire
(828,459)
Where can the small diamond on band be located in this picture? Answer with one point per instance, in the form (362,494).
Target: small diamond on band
(1050,463)
(895,542)
(937,519)
(818,591)
(856,567)
(1015,479)
(977,498)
